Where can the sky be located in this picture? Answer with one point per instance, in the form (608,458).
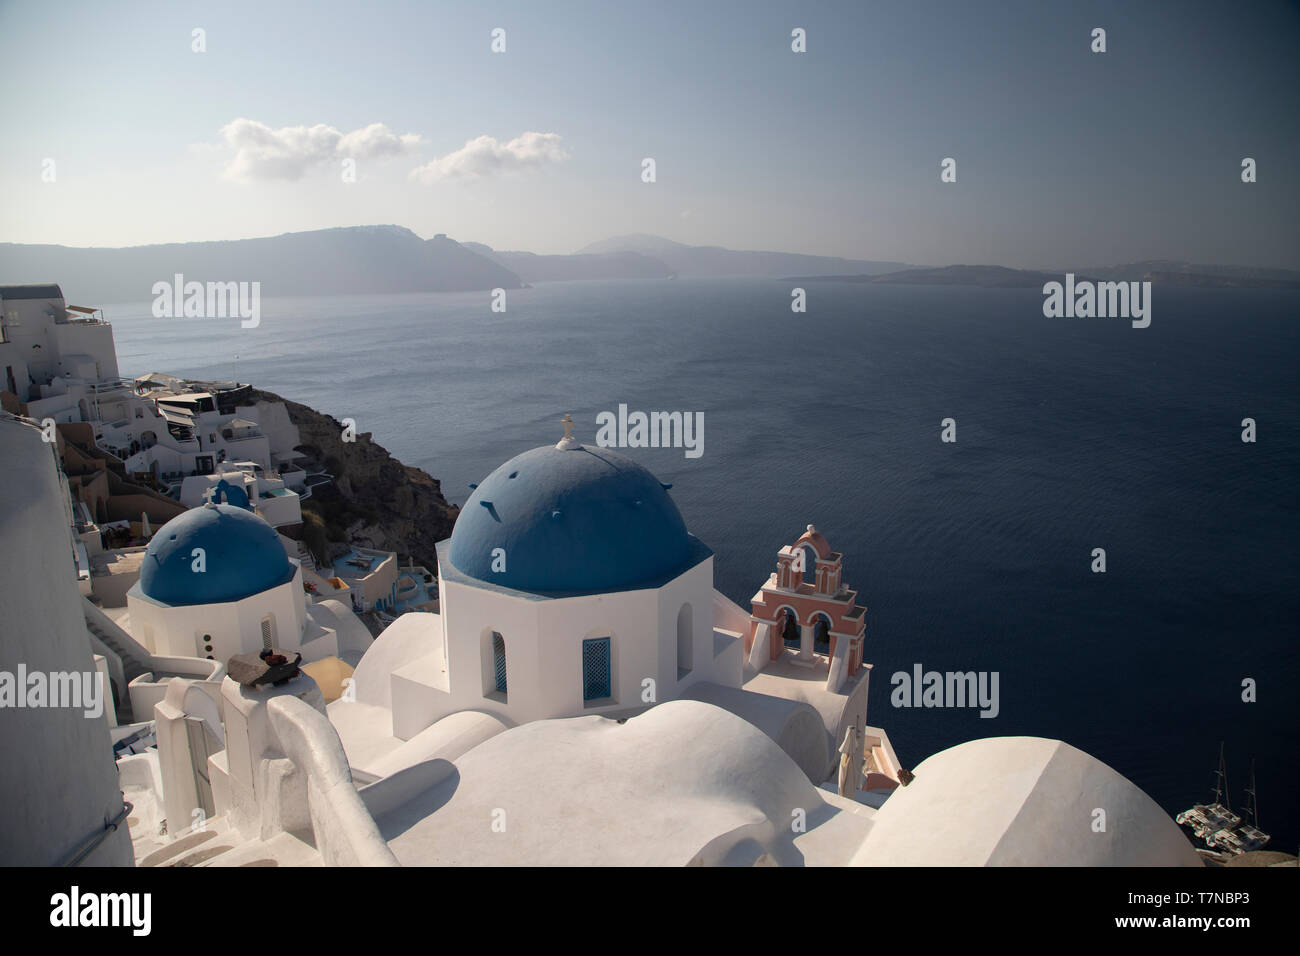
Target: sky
(118,132)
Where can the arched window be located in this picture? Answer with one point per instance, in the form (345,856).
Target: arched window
(685,640)
(809,566)
(494,665)
(821,633)
(789,628)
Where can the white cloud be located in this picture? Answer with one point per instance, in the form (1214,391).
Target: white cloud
(262,153)
(486,156)
(376,141)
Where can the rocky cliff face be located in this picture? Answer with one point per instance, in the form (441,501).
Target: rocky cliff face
(374,500)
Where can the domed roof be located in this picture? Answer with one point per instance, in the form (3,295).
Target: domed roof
(241,556)
(571,520)
(1021,801)
(720,785)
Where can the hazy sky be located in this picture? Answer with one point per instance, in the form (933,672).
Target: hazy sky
(1065,157)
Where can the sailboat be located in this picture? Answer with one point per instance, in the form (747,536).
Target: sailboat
(1217,826)
(1206,820)
(1248,836)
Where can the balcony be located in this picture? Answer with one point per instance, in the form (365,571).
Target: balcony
(82,315)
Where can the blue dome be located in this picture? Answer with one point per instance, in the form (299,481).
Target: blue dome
(571,521)
(242,556)
(224,491)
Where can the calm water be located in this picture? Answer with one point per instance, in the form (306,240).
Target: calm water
(1072,434)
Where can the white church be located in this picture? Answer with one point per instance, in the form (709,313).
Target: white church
(216,581)
(583,696)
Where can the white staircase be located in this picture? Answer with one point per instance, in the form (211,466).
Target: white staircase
(218,845)
(135,657)
(305,558)
(127,658)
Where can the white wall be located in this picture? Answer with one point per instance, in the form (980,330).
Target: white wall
(66,348)
(74,339)
(28,322)
(543,644)
(235,627)
(281,510)
(14,361)
(273,418)
(59,783)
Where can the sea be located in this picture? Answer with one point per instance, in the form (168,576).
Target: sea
(973,555)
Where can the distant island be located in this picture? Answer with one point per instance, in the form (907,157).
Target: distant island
(1222,281)
(715,261)
(356,260)
(1000,277)
(532,267)
(993,277)
(372,260)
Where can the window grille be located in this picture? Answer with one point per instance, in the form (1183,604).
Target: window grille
(595,669)
(499,660)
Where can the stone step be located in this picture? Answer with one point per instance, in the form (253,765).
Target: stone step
(283,849)
(190,845)
(219,845)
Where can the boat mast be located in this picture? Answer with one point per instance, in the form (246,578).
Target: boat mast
(1221,781)
(1252,802)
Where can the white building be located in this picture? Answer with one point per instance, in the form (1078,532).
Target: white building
(199,438)
(44,343)
(59,787)
(570,586)
(714,777)
(246,484)
(216,581)
(60,361)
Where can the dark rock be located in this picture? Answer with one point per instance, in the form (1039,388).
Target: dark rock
(380,502)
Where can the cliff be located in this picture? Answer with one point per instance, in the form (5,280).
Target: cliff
(357,260)
(991,277)
(707,261)
(374,501)
(1220,281)
(611,265)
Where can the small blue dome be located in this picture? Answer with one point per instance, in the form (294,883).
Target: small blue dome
(224,491)
(580,520)
(242,555)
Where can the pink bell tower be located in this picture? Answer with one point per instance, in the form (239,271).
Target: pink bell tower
(787,601)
